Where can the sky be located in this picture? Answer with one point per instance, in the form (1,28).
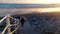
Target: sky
(43,6)
(31,1)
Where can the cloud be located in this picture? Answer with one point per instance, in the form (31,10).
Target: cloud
(25,8)
(14,11)
(11,6)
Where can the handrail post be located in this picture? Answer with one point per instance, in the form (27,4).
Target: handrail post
(8,23)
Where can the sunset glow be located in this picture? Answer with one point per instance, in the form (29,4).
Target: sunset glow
(48,10)
(31,1)
(48,1)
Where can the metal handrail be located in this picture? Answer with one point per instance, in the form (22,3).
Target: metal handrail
(5,29)
(3,19)
(15,30)
(9,25)
(14,24)
(13,18)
